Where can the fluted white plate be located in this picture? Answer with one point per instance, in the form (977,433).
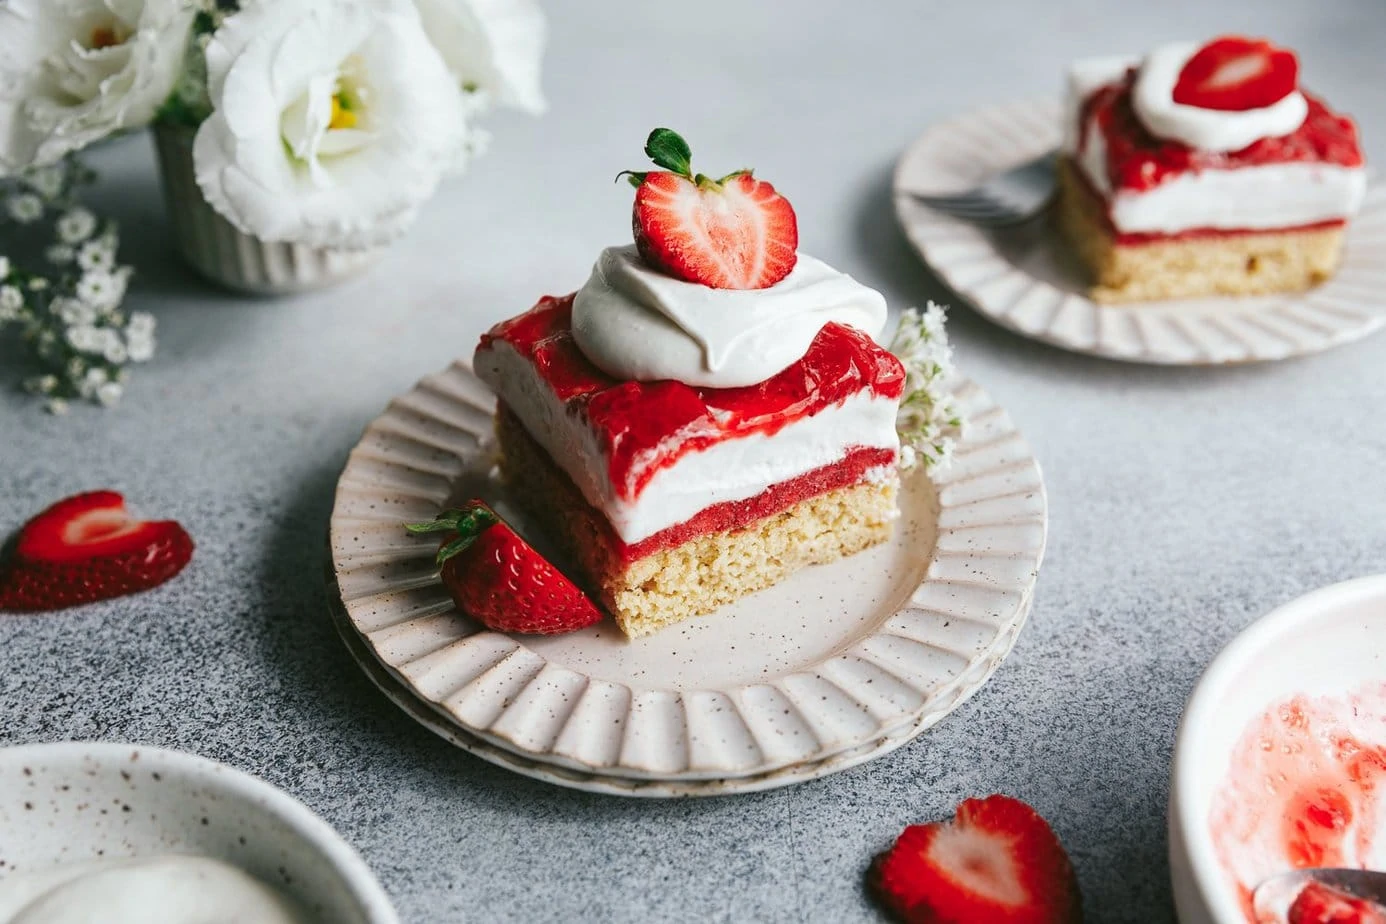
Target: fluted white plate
(845,660)
(1025,279)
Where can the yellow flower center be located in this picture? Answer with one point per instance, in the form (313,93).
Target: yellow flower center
(342,114)
(105,37)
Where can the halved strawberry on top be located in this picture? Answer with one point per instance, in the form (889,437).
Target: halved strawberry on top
(87,548)
(1232,74)
(736,232)
(997,861)
(499,580)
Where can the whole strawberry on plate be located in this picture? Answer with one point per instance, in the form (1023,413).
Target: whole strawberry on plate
(997,862)
(499,580)
(735,232)
(88,548)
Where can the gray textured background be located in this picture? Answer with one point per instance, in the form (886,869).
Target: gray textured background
(1185,502)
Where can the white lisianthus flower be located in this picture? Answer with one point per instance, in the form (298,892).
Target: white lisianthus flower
(11,299)
(492,47)
(4,267)
(332,121)
(73,71)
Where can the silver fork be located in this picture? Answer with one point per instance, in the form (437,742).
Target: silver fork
(1007,198)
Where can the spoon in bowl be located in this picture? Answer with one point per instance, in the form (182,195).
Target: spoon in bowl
(1273,897)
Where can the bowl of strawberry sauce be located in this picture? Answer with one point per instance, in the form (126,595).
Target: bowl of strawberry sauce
(1280,761)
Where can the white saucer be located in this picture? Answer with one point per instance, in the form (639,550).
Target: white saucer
(845,660)
(1025,279)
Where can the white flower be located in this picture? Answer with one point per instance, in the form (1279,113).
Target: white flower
(141,322)
(332,121)
(115,351)
(76,225)
(109,393)
(96,255)
(38,284)
(4,267)
(94,379)
(47,181)
(85,339)
(25,208)
(72,311)
(57,407)
(492,47)
(928,419)
(101,289)
(59,254)
(73,71)
(140,347)
(11,299)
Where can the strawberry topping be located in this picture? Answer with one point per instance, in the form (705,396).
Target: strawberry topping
(1233,74)
(498,579)
(88,548)
(1321,904)
(736,232)
(997,861)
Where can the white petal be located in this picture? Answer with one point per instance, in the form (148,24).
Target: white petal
(493,45)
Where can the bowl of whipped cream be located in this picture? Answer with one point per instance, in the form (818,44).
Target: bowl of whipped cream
(1280,761)
(124,833)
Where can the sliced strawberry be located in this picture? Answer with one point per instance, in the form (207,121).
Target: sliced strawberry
(88,548)
(499,580)
(732,233)
(996,861)
(1321,904)
(1234,74)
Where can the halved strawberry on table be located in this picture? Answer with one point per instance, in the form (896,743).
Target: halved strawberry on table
(997,862)
(735,232)
(499,580)
(1234,74)
(87,548)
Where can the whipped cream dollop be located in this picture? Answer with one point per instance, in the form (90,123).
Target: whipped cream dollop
(1152,97)
(170,889)
(634,322)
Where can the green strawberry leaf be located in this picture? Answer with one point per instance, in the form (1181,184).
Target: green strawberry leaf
(668,150)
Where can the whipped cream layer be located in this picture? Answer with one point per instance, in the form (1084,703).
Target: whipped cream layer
(169,889)
(1258,198)
(1206,129)
(1248,198)
(730,470)
(634,322)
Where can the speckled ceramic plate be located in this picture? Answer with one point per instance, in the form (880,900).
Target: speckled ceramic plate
(1025,279)
(833,661)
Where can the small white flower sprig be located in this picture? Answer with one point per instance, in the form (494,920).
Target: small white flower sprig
(928,421)
(70,314)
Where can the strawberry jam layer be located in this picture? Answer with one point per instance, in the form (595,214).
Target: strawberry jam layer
(775,499)
(1137,160)
(642,428)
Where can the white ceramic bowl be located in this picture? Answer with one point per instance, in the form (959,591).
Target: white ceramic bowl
(78,801)
(1329,642)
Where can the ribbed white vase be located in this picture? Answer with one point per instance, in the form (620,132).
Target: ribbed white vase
(225,255)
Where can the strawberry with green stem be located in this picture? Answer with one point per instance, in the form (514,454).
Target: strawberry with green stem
(499,580)
(735,232)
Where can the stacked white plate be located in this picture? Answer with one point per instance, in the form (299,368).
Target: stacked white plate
(839,664)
